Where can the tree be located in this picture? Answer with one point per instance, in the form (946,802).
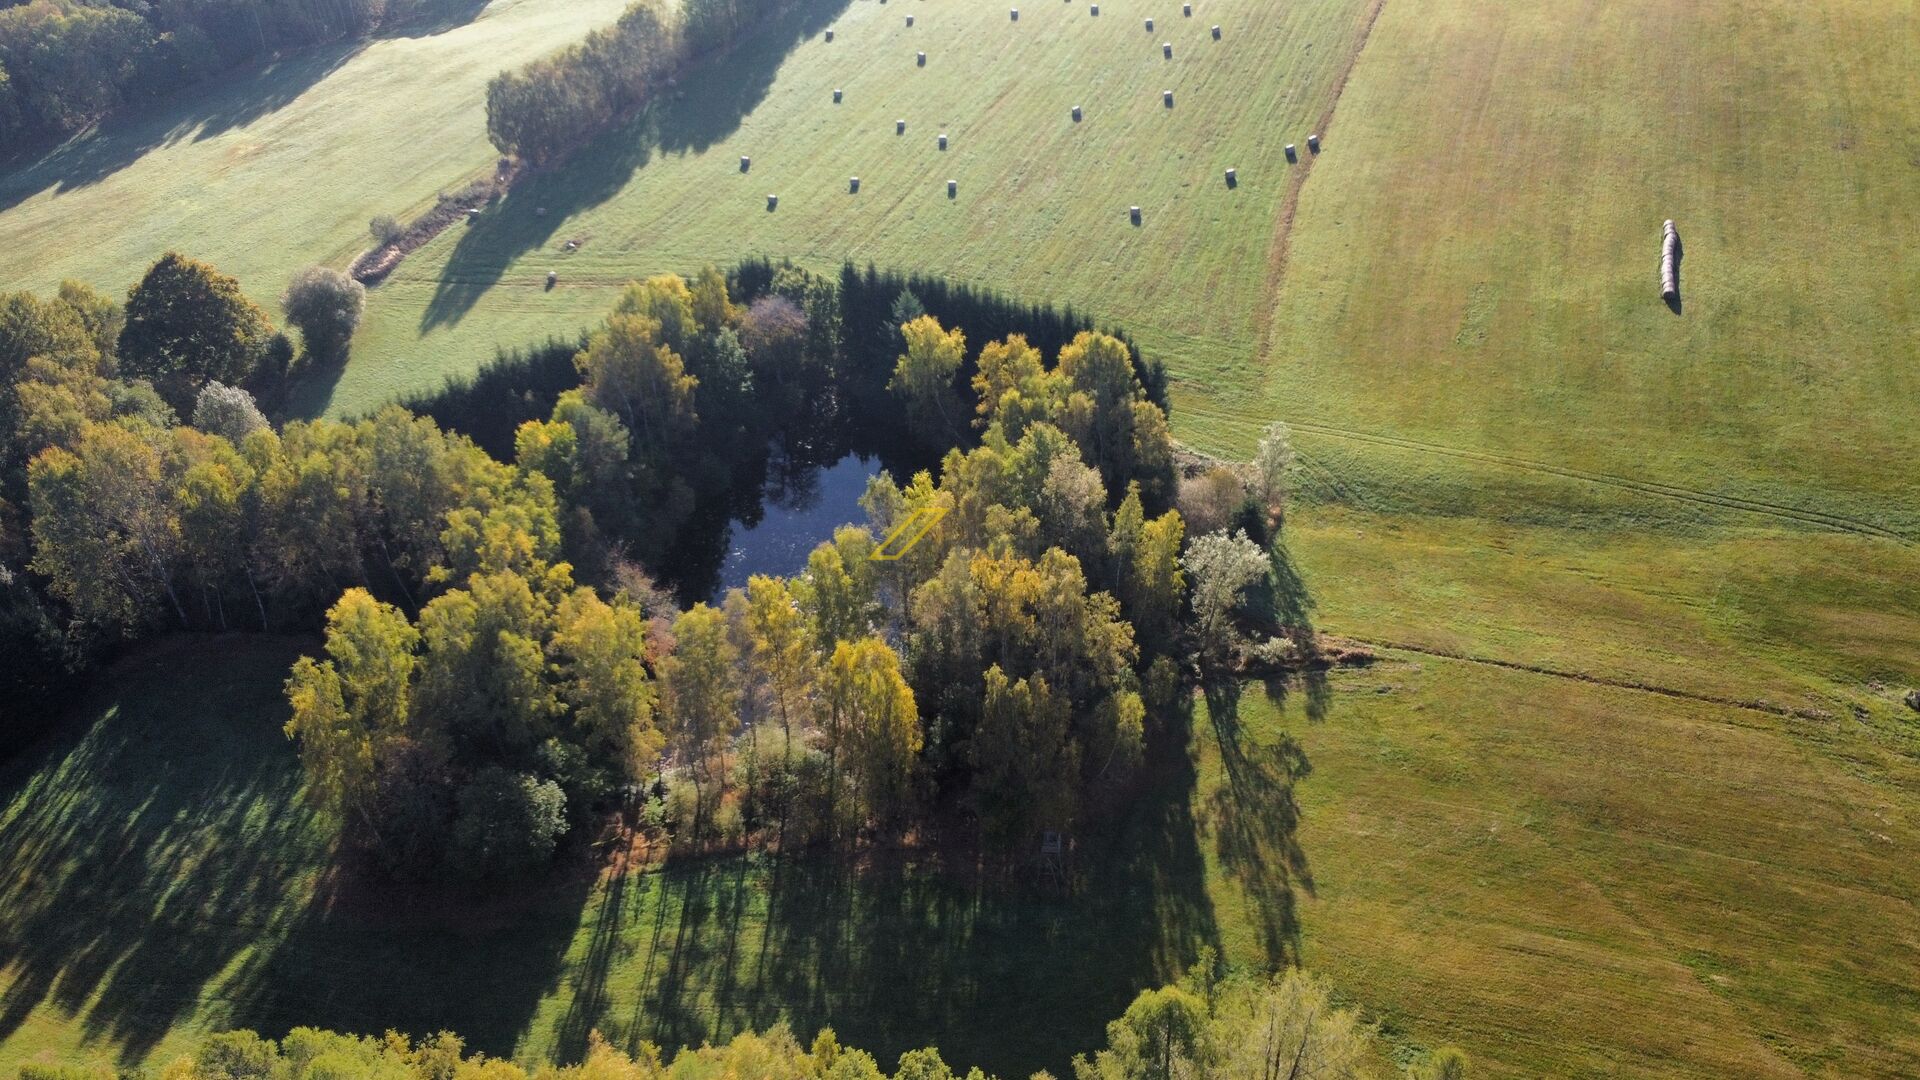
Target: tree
(326,305)
(872,725)
(601,651)
(1014,387)
(105,531)
(1265,1029)
(347,708)
(1223,567)
(1161,1036)
(923,378)
(508,823)
(699,692)
(227,411)
(484,690)
(187,323)
(1026,766)
(631,371)
(1270,464)
(780,652)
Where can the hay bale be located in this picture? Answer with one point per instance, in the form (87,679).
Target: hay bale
(1134,213)
(1313,143)
(1096,9)
(909,20)
(1013,14)
(1216,33)
(553,278)
(1166,49)
(1167,97)
(953,189)
(1186,11)
(829,33)
(853,185)
(1149,26)
(772,202)
(1076,114)
(836,96)
(899,127)
(745,163)
(1292,154)
(943,140)
(1670,262)
(1233,178)
(923,60)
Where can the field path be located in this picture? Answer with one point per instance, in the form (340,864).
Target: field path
(1799,515)
(1283,224)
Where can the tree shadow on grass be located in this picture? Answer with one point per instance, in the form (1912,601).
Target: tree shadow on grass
(212,107)
(1256,821)
(1009,972)
(149,840)
(710,101)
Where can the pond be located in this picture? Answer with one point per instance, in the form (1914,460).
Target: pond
(800,511)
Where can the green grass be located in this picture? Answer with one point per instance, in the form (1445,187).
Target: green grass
(1564,878)
(279,166)
(1042,204)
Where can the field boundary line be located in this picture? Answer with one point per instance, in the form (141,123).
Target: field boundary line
(1784,712)
(1279,250)
(1822,518)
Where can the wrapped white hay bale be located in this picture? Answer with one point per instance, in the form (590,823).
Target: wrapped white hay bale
(745,163)
(1076,114)
(1216,33)
(943,140)
(1670,263)
(1149,26)
(836,97)
(1096,9)
(773,201)
(829,33)
(1292,154)
(909,20)
(1233,177)
(899,127)
(1134,213)
(1313,143)
(1013,14)
(1166,49)
(953,188)
(922,60)
(1167,97)
(1186,10)
(853,185)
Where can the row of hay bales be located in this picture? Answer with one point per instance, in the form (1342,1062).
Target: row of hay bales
(1013,15)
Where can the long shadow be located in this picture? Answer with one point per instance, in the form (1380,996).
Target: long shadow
(1256,822)
(219,104)
(149,840)
(708,104)
(1012,971)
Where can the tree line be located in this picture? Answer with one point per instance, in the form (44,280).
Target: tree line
(1204,1027)
(499,669)
(65,64)
(552,105)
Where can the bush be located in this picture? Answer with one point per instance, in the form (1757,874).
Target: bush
(509,823)
(386,229)
(326,305)
(227,411)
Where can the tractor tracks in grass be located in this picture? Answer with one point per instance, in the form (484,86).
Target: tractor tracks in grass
(1754,705)
(1651,488)
(1281,246)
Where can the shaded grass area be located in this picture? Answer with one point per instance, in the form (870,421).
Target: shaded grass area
(163,878)
(276,167)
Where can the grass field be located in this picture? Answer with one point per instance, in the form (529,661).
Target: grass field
(280,166)
(1631,793)
(1567,878)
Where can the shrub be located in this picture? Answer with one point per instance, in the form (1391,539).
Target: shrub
(509,823)
(227,411)
(326,305)
(385,229)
